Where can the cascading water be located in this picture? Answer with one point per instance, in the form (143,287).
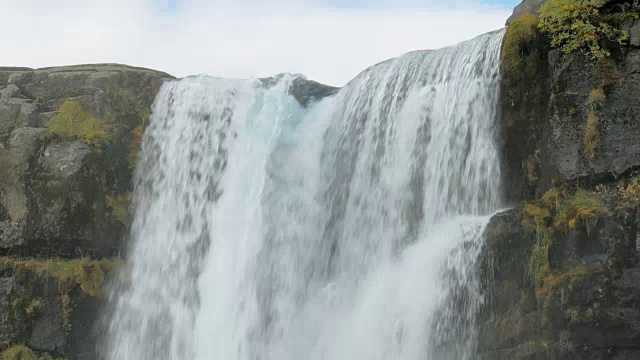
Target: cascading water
(346,230)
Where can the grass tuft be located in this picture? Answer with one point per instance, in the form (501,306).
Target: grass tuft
(597,99)
(591,137)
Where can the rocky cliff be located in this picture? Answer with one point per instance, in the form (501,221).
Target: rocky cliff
(69,137)
(561,267)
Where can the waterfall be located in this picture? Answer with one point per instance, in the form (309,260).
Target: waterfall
(346,229)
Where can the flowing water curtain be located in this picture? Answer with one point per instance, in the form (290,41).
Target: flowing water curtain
(347,229)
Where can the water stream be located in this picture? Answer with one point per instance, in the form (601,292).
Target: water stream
(348,229)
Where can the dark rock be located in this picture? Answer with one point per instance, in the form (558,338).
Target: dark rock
(592,310)
(634,33)
(551,123)
(7,322)
(48,332)
(83,340)
(62,322)
(307,91)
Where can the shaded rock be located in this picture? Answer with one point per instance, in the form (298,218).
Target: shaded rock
(10,91)
(634,34)
(307,91)
(48,332)
(24,144)
(82,341)
(64,160)
(7,328)
(619,128)
(46,312)
(9,116)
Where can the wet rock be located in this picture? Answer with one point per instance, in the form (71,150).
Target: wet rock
(47,312)
(48,332)
(7,328)
(307,91)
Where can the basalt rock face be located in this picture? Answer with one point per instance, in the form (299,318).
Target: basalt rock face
(585,302)
(590,307)
(54,187)
(69,138)
(52,306)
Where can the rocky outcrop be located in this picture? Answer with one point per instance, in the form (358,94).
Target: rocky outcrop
(56,184)
(52,306)
(561,267)
(588,306)
(69,138)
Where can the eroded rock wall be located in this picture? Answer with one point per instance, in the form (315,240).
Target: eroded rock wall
(561,267)
(69,138)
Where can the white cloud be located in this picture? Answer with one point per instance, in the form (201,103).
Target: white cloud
(223,38)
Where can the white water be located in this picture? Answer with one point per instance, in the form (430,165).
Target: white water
(347,230)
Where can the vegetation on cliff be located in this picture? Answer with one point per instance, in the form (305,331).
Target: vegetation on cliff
(90,275)
(520,41)
(73,122)
(578,25)
(21,352)
(558,210)
(119,205)
(521,56)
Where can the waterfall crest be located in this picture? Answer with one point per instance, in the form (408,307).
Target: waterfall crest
(349,229)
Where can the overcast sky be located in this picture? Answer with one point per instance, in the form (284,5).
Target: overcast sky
(330,41)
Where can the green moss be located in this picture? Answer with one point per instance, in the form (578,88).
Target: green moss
(119,205)
(596,99)
(591,137)
(577,25)
(88,274)
(74,122)
(21,352)
(25,305)
(35,308)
